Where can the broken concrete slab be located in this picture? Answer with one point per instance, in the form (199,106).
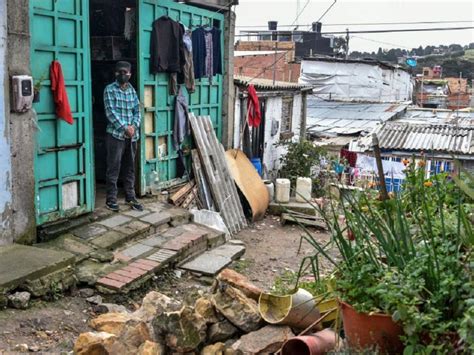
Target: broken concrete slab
(89,231)
(207,264)
(277,209)
(154,241)
(110,240)
(133,229)
(157,218)
(69,243)
(136,250)
(89,271)
(20,263)
(115,221)
(136,214)
(231,251)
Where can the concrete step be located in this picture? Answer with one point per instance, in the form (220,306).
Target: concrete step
(34,269)
(147,256)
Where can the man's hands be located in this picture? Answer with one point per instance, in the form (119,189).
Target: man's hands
(130,131)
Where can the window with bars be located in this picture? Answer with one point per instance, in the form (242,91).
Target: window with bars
(286,114)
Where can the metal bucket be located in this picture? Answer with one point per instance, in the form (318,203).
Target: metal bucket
(297,310)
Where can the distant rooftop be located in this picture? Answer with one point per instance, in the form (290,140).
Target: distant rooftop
(267,84)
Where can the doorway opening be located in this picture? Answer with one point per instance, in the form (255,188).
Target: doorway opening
(113,37)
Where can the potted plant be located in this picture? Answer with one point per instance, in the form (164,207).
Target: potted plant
(404,280)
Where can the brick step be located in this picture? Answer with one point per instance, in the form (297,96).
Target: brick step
(156,252)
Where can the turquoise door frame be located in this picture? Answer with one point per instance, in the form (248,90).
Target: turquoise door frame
(156,148)
(64,173)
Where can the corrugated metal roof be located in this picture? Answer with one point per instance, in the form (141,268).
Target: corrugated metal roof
(267,84)
(445,138)
(424,116)
(338,117)
(249,53)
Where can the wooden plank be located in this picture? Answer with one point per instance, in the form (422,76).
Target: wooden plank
(204,192)
(181,194)
(190,198)
(216,171)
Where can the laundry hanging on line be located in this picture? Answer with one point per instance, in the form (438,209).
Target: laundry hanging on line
(61,101)
(207,52)
(253,107)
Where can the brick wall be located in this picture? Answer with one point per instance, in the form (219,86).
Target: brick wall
(254,65)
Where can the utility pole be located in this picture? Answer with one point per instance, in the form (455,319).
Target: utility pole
(459,93)
(347,43)
(378,160)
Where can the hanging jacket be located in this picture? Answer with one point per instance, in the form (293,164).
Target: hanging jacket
(253,107)
(63,109)
(181,127)
(166,46)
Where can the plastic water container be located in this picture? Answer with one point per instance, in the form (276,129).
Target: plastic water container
(303,189)
(282,193)
(270,188)
(257,163)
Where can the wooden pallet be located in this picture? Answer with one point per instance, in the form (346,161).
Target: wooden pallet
(217,173)
(304,219)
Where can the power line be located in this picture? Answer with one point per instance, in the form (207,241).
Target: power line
(383,30)
(300,13)
(381,42)
(369,23)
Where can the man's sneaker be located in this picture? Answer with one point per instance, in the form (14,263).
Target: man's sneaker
(112,206)
(137,206)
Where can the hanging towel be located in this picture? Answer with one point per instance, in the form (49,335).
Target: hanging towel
(253,107)
(63,110)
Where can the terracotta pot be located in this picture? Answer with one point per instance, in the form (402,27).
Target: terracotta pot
(371,332)
(317,344)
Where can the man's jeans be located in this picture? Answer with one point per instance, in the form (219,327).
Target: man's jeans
(120,154)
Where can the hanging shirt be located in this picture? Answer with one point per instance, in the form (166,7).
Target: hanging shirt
(122,109)
(166,47)
(63,109)
(253,107)
(351,157)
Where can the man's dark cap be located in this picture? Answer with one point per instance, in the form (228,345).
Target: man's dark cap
(122,65)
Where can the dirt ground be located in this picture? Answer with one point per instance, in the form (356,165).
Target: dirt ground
(271,258)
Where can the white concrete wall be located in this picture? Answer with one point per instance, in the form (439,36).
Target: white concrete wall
(6,236)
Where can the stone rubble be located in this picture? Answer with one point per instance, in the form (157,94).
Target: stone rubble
(225,322)
(19,300)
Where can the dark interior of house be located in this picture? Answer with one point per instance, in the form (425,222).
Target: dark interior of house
(112,38)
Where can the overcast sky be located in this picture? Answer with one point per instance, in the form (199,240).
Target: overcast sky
(259,12)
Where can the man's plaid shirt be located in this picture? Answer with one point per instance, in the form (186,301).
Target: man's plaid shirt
(122,109)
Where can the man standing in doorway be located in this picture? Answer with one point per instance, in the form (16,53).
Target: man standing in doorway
(122,109)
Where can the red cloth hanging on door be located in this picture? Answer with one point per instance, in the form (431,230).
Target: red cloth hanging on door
(63,110)
(253,107)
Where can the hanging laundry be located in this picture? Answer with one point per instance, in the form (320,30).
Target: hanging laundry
(351,157)
(63,109)
(253,107)
(188,69)
(167,47)
(199,52)
(209,67)
(130,23)
(181,127)
(216,51)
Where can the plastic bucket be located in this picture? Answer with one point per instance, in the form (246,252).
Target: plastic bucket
(270,188)
(297,310)
(371,332)
(257,163)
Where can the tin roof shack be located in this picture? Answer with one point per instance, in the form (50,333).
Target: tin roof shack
(438,135)
(334,124)
(283,108)
(431,93)
(362,80)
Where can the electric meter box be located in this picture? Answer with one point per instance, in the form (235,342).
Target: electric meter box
(22,86)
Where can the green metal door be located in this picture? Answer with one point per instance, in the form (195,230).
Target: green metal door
(63,158)
(157,152)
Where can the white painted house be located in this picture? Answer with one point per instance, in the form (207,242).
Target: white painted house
(283,108)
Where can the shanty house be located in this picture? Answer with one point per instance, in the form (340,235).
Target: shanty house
(283,108)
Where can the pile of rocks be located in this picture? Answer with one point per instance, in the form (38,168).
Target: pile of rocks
(226,321)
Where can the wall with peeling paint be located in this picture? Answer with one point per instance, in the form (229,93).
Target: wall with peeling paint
(5,160)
